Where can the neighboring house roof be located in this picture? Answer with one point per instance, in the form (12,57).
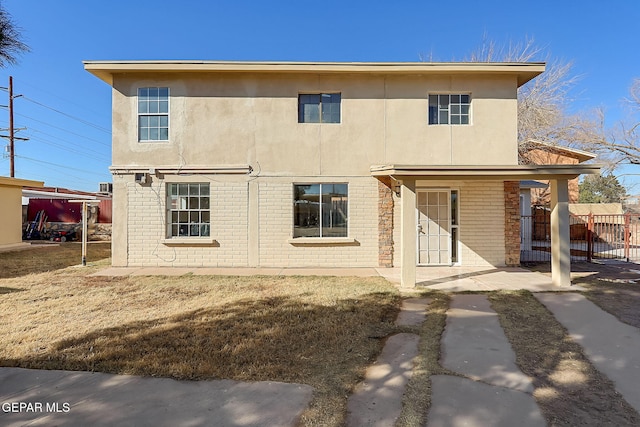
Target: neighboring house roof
(581,156)
(603,213)
(529,184)
(31,192)
(595,208)
(56,193)
(17,182)
(106,69)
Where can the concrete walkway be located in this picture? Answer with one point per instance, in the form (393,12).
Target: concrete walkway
(488,390)
(612,346)
(491,391)
(96,399)
(377,401)
(452,279)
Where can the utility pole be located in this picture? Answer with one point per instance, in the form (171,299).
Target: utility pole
(11,131)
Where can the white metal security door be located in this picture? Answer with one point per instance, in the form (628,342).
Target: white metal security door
(434,227)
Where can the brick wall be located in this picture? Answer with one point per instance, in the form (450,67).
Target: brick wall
(482,223)
(147,230)
(512,222)
(373,225)
(385,222)
(276,227)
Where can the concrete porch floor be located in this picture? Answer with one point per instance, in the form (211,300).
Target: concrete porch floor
(452,279)
(460,279)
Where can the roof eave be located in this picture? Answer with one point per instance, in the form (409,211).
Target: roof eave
(105,70)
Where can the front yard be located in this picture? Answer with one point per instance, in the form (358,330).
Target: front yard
(313,330)
(320,331)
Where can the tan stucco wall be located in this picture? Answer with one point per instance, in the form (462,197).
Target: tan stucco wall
(10,215)
(252,119)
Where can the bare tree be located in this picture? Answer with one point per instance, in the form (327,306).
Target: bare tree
(622,144)
(11,44)
(543,102)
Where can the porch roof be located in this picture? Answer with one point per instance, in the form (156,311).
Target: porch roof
(484,172)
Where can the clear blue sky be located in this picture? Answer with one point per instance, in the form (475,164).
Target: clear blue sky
(66,111)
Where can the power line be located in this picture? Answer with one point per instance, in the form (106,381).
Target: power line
(72,144)
(85,108)
(92,155)
(93,125)
(64,130)
(60,166)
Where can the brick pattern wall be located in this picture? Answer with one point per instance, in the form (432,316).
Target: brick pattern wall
(373,223)
(482,223)
(385,222)
(481,215)
(512,223)
(276,227)
(147,218)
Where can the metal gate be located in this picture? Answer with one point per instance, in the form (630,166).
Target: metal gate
(591,237)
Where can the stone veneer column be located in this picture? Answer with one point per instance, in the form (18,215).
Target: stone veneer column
(512,223)
(385,222)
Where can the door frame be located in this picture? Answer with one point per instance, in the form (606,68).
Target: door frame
(451,226)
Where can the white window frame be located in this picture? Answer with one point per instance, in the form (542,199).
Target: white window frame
(203,223)
(158,114)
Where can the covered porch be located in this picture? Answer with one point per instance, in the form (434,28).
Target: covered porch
(406,178)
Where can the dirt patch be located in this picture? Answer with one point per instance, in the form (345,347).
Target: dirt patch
(568,389)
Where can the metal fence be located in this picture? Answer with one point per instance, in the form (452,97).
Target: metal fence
(591,237)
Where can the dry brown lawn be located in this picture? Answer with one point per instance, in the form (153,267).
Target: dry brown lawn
(320,331)
(568,388)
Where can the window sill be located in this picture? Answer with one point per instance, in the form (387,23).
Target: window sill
(323,241)
(197,241)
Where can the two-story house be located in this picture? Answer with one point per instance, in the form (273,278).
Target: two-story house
(287,164)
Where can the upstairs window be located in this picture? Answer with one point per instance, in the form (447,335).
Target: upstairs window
(319,108)
(153,114)
(449,109)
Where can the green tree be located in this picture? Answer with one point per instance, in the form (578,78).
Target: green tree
(11,44)
(601,189)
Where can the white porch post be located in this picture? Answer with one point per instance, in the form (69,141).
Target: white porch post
(560,243)
(408,233)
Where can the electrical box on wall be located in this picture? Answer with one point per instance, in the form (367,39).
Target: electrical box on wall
(142,178)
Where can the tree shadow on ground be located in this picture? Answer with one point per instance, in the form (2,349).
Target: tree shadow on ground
(568,388)
(273,339)
(5,290)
